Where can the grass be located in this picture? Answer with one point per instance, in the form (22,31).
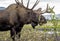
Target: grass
(29,34)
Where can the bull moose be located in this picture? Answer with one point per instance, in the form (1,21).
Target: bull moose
(16,15)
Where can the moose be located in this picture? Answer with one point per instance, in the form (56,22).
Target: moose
(16,15)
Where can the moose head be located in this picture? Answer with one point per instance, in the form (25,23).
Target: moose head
(25,12)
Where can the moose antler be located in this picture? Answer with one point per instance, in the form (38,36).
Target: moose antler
(49,9)
(17,1)
(28,3)
(22,2)
(53,7)
(35,4)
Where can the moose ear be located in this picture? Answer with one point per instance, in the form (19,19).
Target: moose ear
(39,11)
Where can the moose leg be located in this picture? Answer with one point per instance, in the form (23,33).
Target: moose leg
(13,32)
(18,30)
